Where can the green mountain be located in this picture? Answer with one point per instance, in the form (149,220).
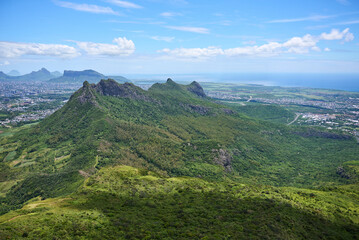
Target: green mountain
(119,162)
(14,73)
(90,76)
(56,74)
(42,75)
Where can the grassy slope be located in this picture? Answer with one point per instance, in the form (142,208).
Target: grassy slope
(273,113)
(127,203)
(172,133)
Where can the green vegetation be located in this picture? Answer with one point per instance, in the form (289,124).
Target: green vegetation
(266,112)
(127,203)
(210,171)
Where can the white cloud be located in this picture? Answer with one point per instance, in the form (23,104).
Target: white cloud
(14,49)
(295,45)
(193,52)
(86,7)
(170,14)
(335,34)
(123,47)
(310,18)
(190,29)
(326,49)
(124,4)
(161,38)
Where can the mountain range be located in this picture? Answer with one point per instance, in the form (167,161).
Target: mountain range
(56,77)
(117,161)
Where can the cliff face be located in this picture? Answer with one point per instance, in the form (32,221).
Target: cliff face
(195,88)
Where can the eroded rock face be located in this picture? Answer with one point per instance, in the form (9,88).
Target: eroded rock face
(223,158)
(195,88)
(127,90)
(87,96)
(196,108)
(342,173)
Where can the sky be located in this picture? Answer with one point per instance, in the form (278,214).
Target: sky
(118,37)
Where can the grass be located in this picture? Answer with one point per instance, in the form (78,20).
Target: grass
(127,203)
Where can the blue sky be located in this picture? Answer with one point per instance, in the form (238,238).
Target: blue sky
(180,36)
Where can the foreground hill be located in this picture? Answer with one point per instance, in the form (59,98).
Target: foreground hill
(174,130)
(126,203)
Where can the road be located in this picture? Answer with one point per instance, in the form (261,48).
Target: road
(295,119)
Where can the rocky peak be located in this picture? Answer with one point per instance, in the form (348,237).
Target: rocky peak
(44,70)
(195,88)
(86,94)
(110,87)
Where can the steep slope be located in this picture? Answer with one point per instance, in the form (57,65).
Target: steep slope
(171,129)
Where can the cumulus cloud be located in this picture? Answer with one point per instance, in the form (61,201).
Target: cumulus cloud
(335,34)
(326,49)
(122,47)
(295,45)
(14,49)
(124,4)
(86,7)
(161,38)
(190,29)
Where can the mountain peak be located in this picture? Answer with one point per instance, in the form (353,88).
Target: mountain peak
(170,81)
(196,88)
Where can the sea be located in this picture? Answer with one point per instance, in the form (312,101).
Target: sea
(346,82)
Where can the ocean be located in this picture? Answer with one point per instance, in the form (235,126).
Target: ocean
(346,82)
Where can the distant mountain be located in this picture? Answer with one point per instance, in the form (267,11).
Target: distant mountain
(14,73)
(90,76)
(56,74)
(36,76)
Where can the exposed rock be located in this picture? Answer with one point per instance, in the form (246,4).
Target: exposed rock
(196,108)
(110,87)
(223,158)
(228,111)
(87,95)
(341,172)
(195,88)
